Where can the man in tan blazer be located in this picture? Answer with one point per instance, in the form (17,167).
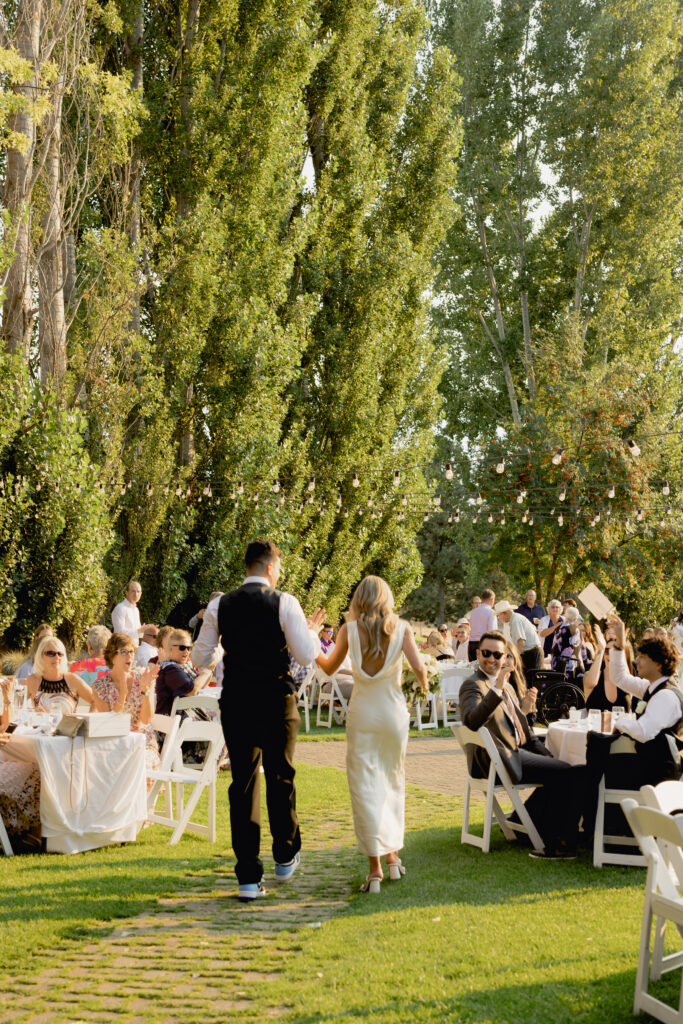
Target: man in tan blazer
(487,699)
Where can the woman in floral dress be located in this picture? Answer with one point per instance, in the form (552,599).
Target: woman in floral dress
(122,689)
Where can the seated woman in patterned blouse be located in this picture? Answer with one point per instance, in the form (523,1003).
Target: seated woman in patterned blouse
(124,689)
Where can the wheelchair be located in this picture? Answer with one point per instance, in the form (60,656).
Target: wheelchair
(556,695)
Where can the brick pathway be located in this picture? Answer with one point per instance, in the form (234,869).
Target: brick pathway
(437,764)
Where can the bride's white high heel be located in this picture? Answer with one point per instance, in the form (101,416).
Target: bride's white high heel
(396,870)
(372,884)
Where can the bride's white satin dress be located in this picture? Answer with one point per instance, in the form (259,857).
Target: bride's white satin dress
(376,739)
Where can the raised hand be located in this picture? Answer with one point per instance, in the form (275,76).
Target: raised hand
(316,620)
(619,629)
(599,637)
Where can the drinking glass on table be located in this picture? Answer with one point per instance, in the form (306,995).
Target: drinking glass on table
(594,720)
(617,712)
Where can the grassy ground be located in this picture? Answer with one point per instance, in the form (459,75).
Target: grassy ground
(153,933)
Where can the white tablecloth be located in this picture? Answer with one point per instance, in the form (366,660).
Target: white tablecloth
(567,740)
(92,791)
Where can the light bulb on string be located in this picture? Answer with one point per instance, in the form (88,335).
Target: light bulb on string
(627,524)
(490,518)
(339,501)
(560,520)
(475,519)
(450,517)
(150,489)
(370,503)
(480,500)
(178,491)
(310,499)
(373,514)
(255,498)
(437,500)
(207,491)
(502,520)
(404,500)
(346,514)
(397,478)
(562,495)
(633,448)
(520,497)
(457,515)
(188,493)
(639,515)
(500,466)
(531,521)
(666,490)
(525,516)
(276,487)
(557,457)
(240,488)
(355,481)
(232,494)
(426,517)
(311,484)
(597,518)
(282,499)
(662,522)
(449,471)
(611,493)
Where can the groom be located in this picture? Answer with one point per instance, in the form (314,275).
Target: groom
(258,627)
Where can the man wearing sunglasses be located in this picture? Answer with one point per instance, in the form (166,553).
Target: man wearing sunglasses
(487,699)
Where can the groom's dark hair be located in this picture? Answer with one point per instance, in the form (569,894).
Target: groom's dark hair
(261,552)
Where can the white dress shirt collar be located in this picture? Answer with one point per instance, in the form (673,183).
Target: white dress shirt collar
(258,579)
(653,686)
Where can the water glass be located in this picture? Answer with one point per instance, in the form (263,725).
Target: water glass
(617,712)
(595,721)
(573,715)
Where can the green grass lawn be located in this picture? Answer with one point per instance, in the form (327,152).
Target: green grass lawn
(464,937)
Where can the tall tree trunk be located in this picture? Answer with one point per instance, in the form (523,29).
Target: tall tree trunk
(17,314)
(51,269)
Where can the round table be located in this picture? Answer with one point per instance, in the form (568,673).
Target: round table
(567,740)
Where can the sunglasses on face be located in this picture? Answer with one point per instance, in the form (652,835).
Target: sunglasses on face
(492,654)
(183,647)
(443,631)
(328,631)
(52,654)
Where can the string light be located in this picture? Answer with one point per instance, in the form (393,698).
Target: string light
(557,457)
(449,471)
(525,516)
(560,520)
(457,515)
(404,500)
(397,478)
(639,515)
(520,497)
(339,501)
(437,500)
(450,517)
(480,500)
(240,488)
(355,481)
(562,495)
(666,490)
(633,448)
(207,491)
(490,519)
(276,487)
(611,493)
(311,484)
(500,466)
(502,520)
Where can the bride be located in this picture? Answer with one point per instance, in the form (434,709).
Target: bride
(377,722)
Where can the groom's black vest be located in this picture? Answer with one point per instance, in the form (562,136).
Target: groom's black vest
(256,660)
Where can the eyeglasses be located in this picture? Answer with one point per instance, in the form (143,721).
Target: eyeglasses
(52,654)
(330,631)
(183,647)
(443,631)
(127,652)
(491,654)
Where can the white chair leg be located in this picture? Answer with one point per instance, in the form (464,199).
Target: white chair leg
(465,830)
(599,835)
(525,819)
(4,840)
(186,814)
(642,971)
(490,797)
(212,810)
(658,949)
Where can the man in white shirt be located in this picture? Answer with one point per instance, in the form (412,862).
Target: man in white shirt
(125,616)
(657,729)
(482,620)
(522,634)
(147,648)
(258,627)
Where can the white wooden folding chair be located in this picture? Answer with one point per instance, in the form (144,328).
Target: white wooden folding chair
(330,696)
(624,745)
(199,777)
(4,840)
(431,702)
(168,726)
(657,833)
(451,681)
(491,789)
(205,701)
(303,695)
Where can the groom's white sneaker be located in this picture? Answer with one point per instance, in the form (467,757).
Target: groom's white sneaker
(283,872)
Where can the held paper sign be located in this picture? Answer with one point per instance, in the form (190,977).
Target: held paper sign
(596,602)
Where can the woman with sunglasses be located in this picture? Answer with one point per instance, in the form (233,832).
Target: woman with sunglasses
(51,686)
(125,689)
(600,692)
(177,675)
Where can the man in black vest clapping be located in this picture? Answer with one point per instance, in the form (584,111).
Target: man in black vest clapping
(258,628)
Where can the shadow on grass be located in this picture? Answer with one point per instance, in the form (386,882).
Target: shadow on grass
(608,998)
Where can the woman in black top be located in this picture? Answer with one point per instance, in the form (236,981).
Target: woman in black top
(600,692)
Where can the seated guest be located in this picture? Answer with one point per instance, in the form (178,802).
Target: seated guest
(522,634)
(51,686)
(588,639)
(327,638)
(26,667)
(124,689)
(487,699)
(437,647)
(94,665)
(568,653)
(177,676)
(19,783)
(163,633)
(461,640)
(148,647)
(530,610)
(549,624)
(526,696)
(599,689)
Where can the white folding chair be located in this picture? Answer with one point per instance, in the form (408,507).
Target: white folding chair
(624,745)
(451,681)
(168,725)
(4,840)
(431,702)
(196,700)
(330,695)
(490,789)
(303,695)
(657,833)
(199,777)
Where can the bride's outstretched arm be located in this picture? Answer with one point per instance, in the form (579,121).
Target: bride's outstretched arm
(413,658)
(334,660)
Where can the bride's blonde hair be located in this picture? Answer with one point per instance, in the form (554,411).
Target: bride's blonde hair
(372,607)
